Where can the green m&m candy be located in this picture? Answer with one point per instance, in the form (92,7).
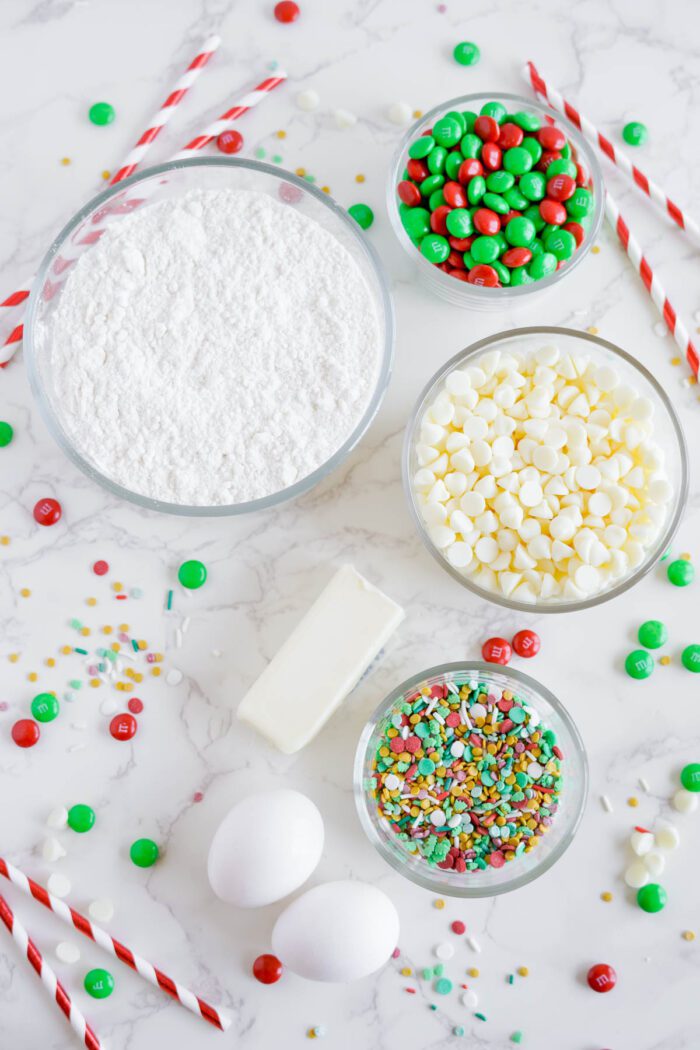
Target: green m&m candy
(690,776)
(652,897)
(144,853)
(447,131)
(634,133)
(364,217)
(421,147)
(436,160)
(542,265)
(690,658)
(459,223)
(560,243)
(452,165)
(45,707)
(496,110)
(99,983)
(435,248)
(81,817)
(520,232)
(500,181)
(517,160)
(101,113)
(533,147)
(681,572)
(192,574)
(416,222)
(496,203)
(562,166)
(533,185)
(6,434)
(639,664)
(466,53)
(471,145)
(527,121)
(580,203)
(484,249)
(476,188)
(652,634)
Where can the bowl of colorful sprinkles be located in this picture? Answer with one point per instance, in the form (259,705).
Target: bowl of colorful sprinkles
(470,781)
(545,469)
(494,198)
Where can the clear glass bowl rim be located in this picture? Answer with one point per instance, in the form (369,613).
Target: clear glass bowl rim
(507,292)
(225,510)
(435,885)
(546,607)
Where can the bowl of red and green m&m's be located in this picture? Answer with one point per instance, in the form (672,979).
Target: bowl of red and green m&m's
(494,198)
(470,780)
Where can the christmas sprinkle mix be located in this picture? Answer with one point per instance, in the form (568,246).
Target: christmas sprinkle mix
(465,775)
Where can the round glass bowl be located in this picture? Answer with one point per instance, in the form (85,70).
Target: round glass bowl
(490,881)
(460,293)
(168,181)
(668,435)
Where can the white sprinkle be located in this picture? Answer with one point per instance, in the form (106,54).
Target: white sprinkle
(178,638)
(606,803)
(474,944)
(216,652)
(127,654)
(439,718)
(58,818)
(59,885)
(109,707)
(78,747)
(101,910)
(186,625)
(444,951)
(431,707)
(418,820)
(470,999)
(174,676)
(79,725)
(52,850)
(405,732)
(68,697)
(67,952)
(400,113)
(307,100)
(644,784)
(344,119)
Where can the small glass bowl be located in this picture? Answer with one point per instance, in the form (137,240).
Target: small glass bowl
(472,296)
(172,180)
(515,873)
(668,434)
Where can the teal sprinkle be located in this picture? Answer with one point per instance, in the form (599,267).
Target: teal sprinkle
(260,153)
(443,986)
(511,979)
(482,1017)
(458,1030)
(169,601)
(75,683)
(439,969)
(276,158)
(76,623)
(517,1037)
(136,592)
(309,178)
(427,973)
(134,645)
(273,65)
(83,652)
(68,697)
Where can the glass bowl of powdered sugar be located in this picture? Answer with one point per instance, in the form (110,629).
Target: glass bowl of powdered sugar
(210,337)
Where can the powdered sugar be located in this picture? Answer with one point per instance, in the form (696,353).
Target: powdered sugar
(213,348)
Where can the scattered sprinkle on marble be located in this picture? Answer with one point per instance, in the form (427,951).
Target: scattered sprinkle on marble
(67,952)
(474,944)
(101,910)
(81,725)
(644,784)
(109,707)
(470,999)
(58,818)
(58,884)
(688,935)
(198,796)
(400,113)
(344,119)
(52,850)
(78,747)
(606,803)
(444,951)
(660,329)
(308,100)
(174,676)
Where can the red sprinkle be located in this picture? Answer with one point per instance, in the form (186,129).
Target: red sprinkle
(135,705)
(286,11)
(123,726)
(100,568)
(47,511)
(198,796)
(289,194)
(267,969)
(25,732)
(496,859)
(230,141)
(458,926)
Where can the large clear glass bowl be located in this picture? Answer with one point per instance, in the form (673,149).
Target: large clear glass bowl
(521,870)
(469,295)
(166,182)
(668,434)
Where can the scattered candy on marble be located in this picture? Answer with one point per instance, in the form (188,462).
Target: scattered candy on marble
(144,853)
(308,100)
(81,818)
(230,141)
(344,119)
(685,801)
(526,644)
(639,664)
(52,850)
(123,726)
(58,818)
(286,11)
(192,574)
(58,884)
(466,53)
(681,572)
(47,511)
(101,113)
(690,658)
(101,910)
(45,707)
(400,113)
(67,952)
(99,983)
(25,732)
(6,434)
(652,897)
(634,133)
(690,777)
(652,634)
(496,651)
(362,214)
(601,977)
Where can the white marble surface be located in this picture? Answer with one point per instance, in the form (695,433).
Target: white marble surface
(619,59)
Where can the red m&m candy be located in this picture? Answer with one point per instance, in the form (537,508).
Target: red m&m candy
(230,141)
(487,129)
(486,221)
(491,156)
(123,726)
(561,187)
(601,978)
(483,275)
(496,651)
(551,138)
(409,193)
(526,643)
(25,732)
(267,969)
(510,136)
(47,511)
(286,11)
(135,705)
(553,212)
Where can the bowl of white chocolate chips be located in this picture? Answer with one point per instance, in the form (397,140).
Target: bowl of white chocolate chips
(545,469)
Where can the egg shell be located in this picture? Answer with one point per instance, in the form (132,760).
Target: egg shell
(339,931)
(265,848)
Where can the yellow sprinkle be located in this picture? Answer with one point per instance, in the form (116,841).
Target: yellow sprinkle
(158,657)
(325,189)
(417,114)
(138,677)
(522,971)
(50,662)
(473,972)
(65,161)
(13,658)
(32,676)
(311,1034)
(128,687)
(606,896)
(438,903)
(106,629)
(4,540)
(359,178)
(119,686)
(142,644)
(281,134)
(301,172)
(595,249)
(685,556)
(633,802)
(66,650)
(665,661)
(85,631)
(688,935)
(592,329)
(117,586)
(675,361)
(106,175)
(406,971)
(123,627)
(155,672)
(91,601)
(115,647)
(25,592)
(95,683)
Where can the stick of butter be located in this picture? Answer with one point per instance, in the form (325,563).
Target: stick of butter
(331,647)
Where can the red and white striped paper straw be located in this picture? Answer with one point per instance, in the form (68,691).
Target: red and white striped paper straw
(166,111)
(590,132)
(652,284)
(151,973)
(48,977)
(11,344)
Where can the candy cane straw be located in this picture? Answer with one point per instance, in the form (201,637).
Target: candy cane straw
(156,977)
(48,977)
(11,344)
(167,109)
(652,284)
(589,131)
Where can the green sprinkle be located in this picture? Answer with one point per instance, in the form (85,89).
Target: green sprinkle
(482,1017)
(517,1037)
(83,652)
(511,979)
(134,645)
(75,683)
(169,601)
(276,158)
(260,153)
(427,973)
(76,624)
(443,986)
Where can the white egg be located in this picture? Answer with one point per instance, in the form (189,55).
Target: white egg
(265,848)
(338,931)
